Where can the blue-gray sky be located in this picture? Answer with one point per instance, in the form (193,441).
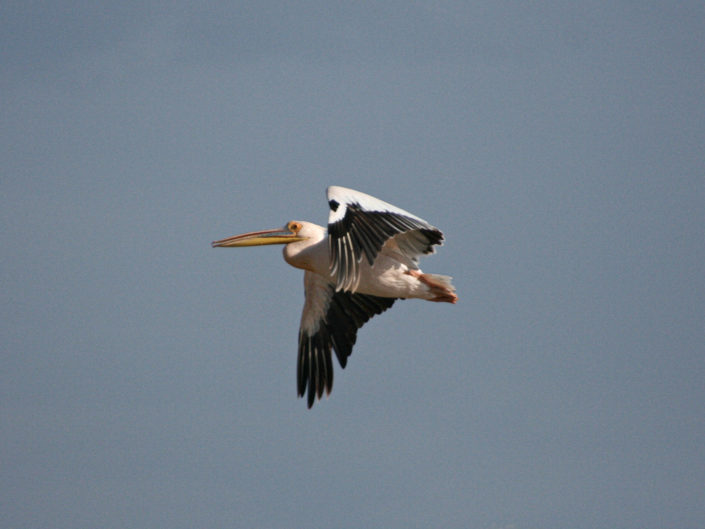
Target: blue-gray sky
(149,381)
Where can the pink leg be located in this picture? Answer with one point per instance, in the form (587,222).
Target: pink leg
(441,292)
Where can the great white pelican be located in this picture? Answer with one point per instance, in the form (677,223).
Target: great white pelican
(367,258)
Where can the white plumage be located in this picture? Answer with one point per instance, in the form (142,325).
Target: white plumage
(356,268)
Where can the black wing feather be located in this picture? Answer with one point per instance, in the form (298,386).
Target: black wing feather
(363,233)
(346,313)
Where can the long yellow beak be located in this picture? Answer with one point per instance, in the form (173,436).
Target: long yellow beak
(259,238)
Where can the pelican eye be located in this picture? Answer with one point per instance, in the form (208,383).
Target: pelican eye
(294,227)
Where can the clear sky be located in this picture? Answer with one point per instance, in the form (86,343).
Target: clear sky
(148,380)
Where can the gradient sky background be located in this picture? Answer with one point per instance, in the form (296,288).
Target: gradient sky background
(149,381)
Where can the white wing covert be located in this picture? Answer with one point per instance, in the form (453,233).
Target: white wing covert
(359,225)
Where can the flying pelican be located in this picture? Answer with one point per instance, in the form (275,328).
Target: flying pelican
(366,259)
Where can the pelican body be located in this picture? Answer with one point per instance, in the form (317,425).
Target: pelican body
(355,268)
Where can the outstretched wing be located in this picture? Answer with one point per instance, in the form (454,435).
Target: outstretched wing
(359,225)
(330,319)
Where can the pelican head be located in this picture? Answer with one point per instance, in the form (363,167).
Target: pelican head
(305,245)
(288,234)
